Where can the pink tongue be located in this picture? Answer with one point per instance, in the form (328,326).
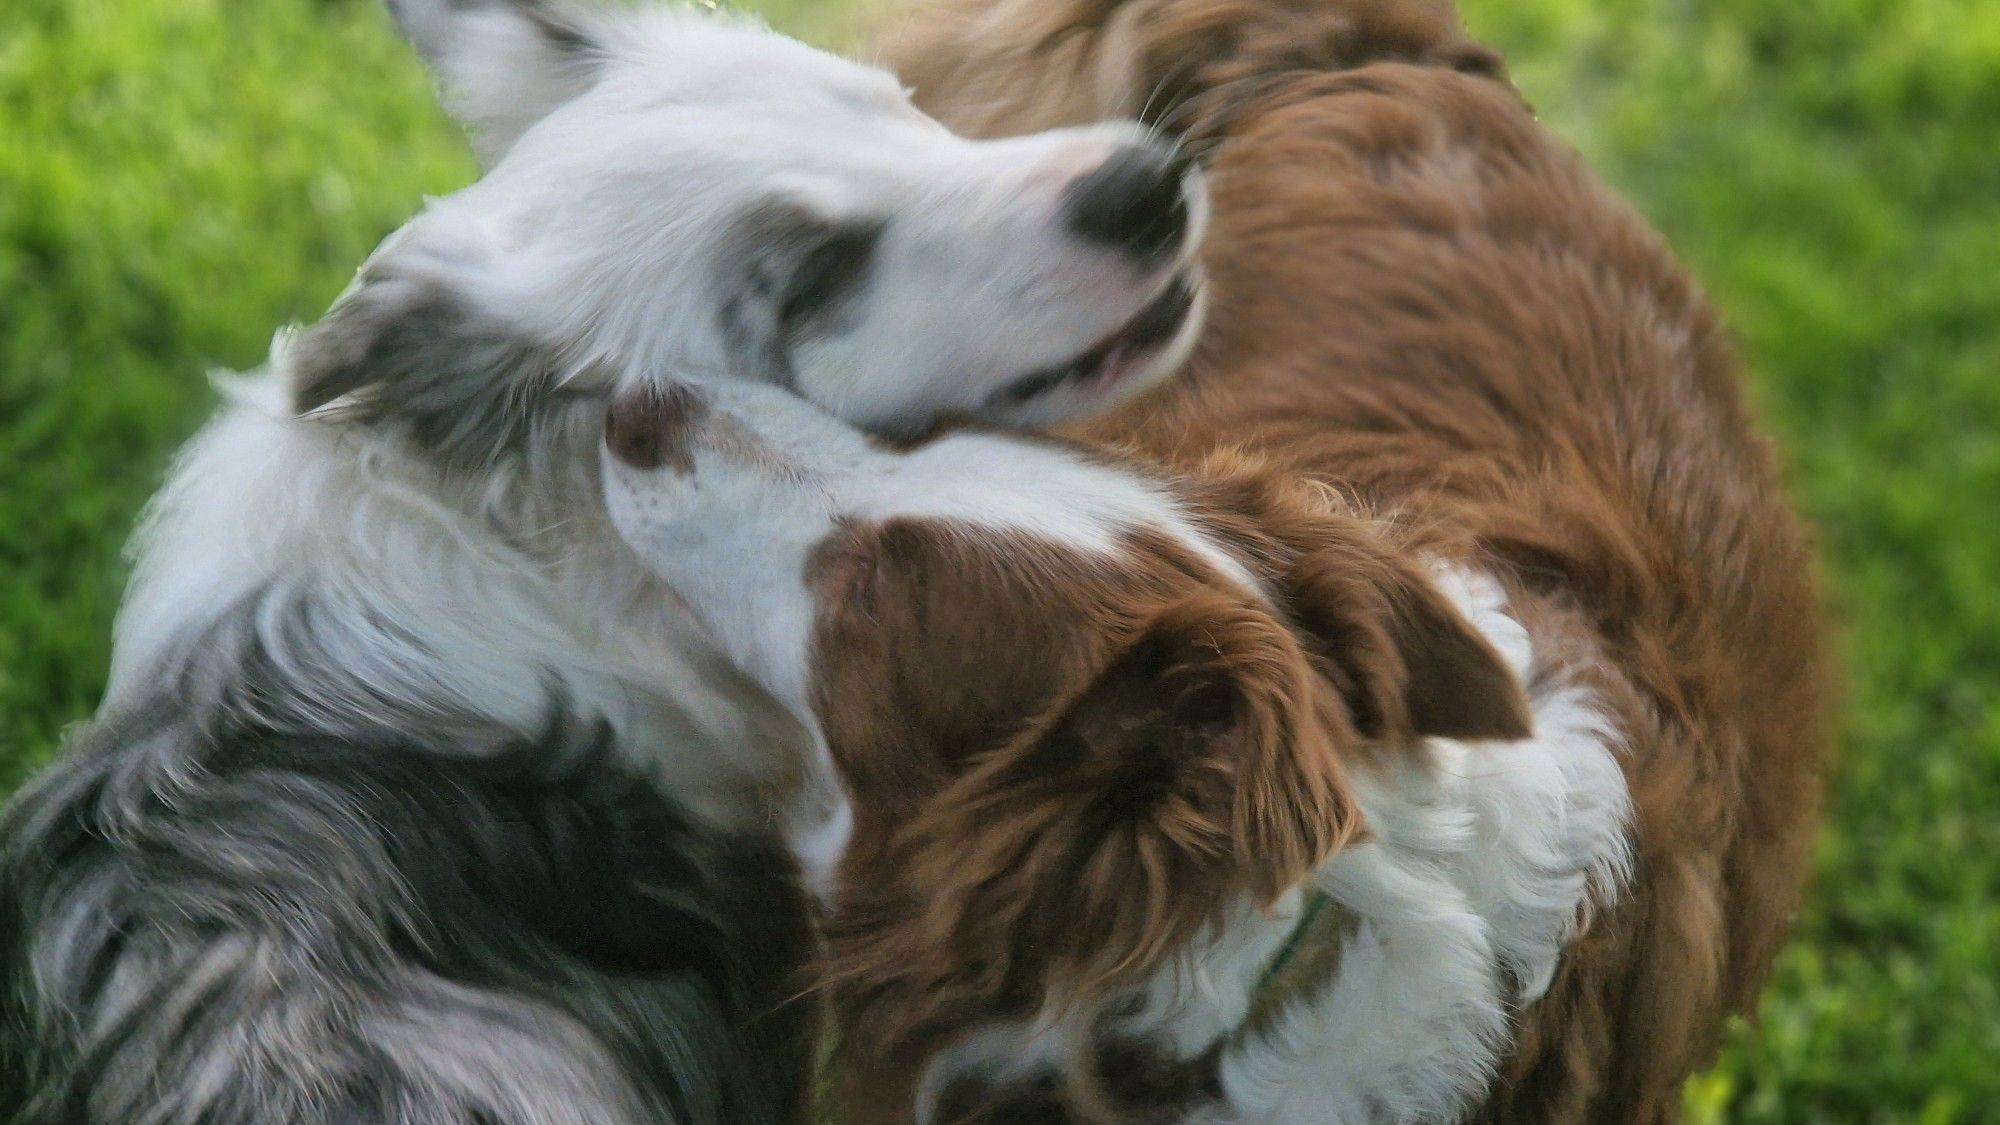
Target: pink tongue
(1112,369)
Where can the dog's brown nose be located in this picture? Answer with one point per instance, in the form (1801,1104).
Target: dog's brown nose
(654,427)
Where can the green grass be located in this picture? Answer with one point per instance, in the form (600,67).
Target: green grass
(179,177)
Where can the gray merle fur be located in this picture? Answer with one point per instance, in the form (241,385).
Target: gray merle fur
(238,902)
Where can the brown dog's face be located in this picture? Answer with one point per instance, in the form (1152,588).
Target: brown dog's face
(1076,710)
(1060,765)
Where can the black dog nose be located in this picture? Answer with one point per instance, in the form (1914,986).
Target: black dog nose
(1135,202)
(655,427)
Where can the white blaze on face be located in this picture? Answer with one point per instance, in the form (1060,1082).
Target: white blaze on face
(730,523)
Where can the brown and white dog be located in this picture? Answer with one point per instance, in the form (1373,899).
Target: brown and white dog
(1413,714)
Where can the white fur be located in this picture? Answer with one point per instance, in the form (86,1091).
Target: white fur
(1205,993)
(482,621)
(620,179)
(773,476)
(1003,485)
(1482,861)
(599,236)
(1198,998)
(1481,864)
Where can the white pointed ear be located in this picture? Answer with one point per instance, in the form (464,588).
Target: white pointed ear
(502,64)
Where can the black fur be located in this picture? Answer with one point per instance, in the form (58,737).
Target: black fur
(789,274)
(467,391)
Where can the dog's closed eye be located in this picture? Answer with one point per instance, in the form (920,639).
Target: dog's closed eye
(791,267)
(836,265)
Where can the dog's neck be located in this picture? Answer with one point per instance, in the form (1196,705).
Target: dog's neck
(449,589)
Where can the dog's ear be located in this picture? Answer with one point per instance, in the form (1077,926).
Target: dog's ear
(503,64)
(416,342)
(1407,661)
(1207,732)
(1192,776)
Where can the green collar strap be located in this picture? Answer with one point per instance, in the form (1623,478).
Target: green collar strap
(1307,960)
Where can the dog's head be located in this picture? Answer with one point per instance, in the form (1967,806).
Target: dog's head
(671,191)
(1077,710)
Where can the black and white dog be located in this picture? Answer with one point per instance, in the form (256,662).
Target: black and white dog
(407,801)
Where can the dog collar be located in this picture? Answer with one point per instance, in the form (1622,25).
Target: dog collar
(1316,902)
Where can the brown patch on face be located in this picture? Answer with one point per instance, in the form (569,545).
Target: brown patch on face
(656,427)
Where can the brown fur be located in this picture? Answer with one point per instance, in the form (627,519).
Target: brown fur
(1001,67)
(1061,770)
(1426,302)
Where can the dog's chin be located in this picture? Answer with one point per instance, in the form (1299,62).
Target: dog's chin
(1141,354)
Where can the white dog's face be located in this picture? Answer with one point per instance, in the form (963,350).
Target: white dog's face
(671,192)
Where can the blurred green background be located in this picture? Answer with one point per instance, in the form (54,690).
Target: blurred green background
(180,177)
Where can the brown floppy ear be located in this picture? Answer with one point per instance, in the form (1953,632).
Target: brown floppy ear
(1192,775)
(1408,662)
(1203,740)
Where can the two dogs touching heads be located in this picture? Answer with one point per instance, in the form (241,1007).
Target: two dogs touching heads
(1391,693)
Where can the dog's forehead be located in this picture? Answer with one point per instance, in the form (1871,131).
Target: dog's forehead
(747,139)
(1032,491)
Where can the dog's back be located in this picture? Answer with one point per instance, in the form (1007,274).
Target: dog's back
(236,898)
(1424,299)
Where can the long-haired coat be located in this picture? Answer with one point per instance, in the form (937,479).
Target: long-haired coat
(411,800)
(1414,713)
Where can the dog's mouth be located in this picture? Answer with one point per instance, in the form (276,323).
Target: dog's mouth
(1117,356)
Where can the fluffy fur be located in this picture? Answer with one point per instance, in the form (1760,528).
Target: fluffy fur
(1424,299)
(1476,439)
(411,798)
(1088,721)
(675,193)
